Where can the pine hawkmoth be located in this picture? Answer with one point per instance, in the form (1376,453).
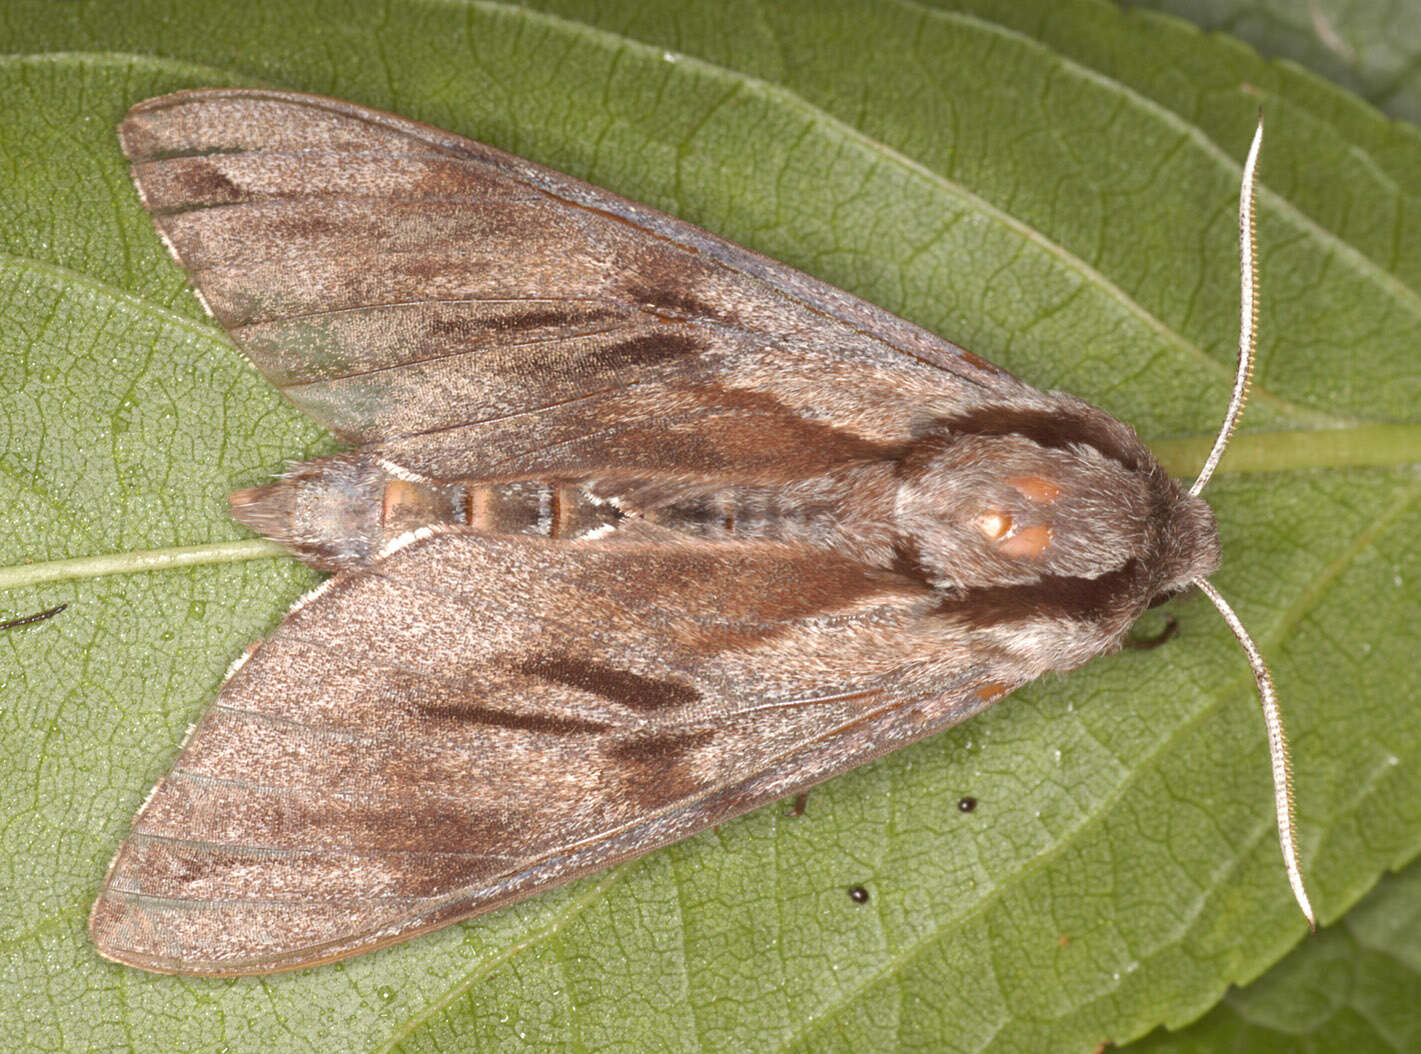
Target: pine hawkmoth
(634,530)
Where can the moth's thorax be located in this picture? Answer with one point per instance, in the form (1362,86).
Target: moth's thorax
(990,511)
(981,511)
(1048,527)
(1046,484)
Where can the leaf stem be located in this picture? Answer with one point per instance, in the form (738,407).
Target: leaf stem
(1368,445)
(135,562)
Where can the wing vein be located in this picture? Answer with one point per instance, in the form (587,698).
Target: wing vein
(335,850)
(463,352)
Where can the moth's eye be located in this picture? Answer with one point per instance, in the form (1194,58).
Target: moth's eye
(1164,598)
(1035,488)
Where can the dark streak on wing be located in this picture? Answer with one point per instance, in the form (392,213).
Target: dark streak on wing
(633,690)
(208,188)
(532,319)
(201,181)
(438,715)
(1053,597)
(487,715)
(185,153)
(661,748)
(854,447)
(594,308)
(675,302)
(658,770)
(1047,428)
(647,350)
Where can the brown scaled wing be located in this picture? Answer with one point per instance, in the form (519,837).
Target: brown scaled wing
(476,717)
(446,733)
(472,314)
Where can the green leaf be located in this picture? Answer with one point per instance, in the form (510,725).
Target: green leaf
(1372,47)
(1357,986)
(1057,194)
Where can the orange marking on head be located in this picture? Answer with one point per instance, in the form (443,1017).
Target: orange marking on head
(993,524)
(1036,488)
(1028,542)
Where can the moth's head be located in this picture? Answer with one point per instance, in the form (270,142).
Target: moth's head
(1188,541)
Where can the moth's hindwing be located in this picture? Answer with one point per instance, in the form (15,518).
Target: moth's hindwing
(477,717)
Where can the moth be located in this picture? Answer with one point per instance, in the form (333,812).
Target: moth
(635,530)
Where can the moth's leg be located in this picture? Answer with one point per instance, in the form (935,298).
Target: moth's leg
(1170,630)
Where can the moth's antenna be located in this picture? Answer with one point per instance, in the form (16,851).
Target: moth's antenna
(30,620)
(1272,719)
(1248,312)
(1277,747)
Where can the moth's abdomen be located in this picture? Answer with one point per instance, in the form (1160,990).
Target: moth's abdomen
(744,513)
(338,513)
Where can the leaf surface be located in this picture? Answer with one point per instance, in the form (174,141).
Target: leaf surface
(1356,987)
(1057,194)
(1371,47)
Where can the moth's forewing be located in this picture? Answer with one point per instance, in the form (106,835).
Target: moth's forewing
(474,313)
(479,717)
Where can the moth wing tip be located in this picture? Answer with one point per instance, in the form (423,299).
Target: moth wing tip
(110,926)
(124,932)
